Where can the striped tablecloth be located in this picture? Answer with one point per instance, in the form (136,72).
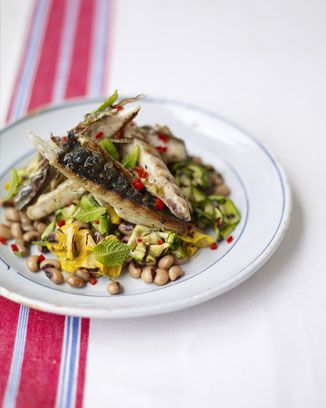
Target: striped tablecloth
(66,55)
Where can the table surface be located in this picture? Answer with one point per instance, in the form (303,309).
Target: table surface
(261,64)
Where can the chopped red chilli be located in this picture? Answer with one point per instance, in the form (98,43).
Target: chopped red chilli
(117,107)
(139,240)
(163,137)
(99,135)
(3,240)
(92,280)
(229,239)
(161,149)
(138,184)
(214,245)
(141,172)
(61,223)
(160,242)
(118,135)
(41,258)
(159,205)
(14,247)
(64,139)
(96,222)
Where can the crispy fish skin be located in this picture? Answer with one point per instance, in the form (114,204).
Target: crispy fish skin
(47,203)
(103,179)
(160,182)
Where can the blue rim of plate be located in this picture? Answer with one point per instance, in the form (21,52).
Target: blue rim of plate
(263,256)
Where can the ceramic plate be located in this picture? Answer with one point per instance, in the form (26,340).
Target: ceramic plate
(259,187)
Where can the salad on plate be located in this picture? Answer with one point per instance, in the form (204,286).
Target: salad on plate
(110,196)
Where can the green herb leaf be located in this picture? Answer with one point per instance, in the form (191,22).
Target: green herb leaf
(14,182)
(91,214)
(101,225)
(109,147)
(108,102)
(131,159)
(111,252)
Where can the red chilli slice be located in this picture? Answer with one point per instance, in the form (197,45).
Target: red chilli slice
(213,245)
(138,184)
(96,222)
(92,280)
(41,258)
(163,137)
(161,149)
(3,240)
(118,135)
(229,239)
(139,240)
(99,135)
(14,247)
(61,223)
(64,139)
(160,242)
(141,172)
(159,205)
(117,107)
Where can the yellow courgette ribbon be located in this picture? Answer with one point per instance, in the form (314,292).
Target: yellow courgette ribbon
(74,250)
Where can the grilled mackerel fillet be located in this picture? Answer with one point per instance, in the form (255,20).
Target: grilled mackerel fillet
(83,162)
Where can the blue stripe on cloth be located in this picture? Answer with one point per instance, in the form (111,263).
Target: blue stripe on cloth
(23,86)
(17,359)
(72,375)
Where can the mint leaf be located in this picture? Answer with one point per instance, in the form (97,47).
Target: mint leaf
(14,182)
(131,159)
(109,147)
(91,214)
(111,252)
(108,102)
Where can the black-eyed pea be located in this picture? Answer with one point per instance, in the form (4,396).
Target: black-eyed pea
(125,228)
(54,275)
(75,281)
(27,227)
(161,277)
(83,274)
(114,288)
(33,263)
(31,236)
(7,223)
(50,263)
(40,227)
(24,219)
(175,272)
(21,247)
(5,232)
(16,230)
(12,214)
(222,190)
(166,262)
(134,270)
(148,274)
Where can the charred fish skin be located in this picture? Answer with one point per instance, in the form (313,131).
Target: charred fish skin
(100,177)
(32,188)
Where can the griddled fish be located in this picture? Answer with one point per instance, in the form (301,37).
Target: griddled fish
(109,120)
(87,165)
(46,204)
(171,148)
(160,182)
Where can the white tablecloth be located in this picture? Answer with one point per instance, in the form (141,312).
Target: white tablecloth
(262,64)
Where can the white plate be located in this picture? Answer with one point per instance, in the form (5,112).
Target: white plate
(259,187)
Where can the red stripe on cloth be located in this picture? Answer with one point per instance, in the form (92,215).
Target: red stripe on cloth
(45,73)
(8,326)
(21,64)
(108,51)
(84,333)
(41,365)
(79,70)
